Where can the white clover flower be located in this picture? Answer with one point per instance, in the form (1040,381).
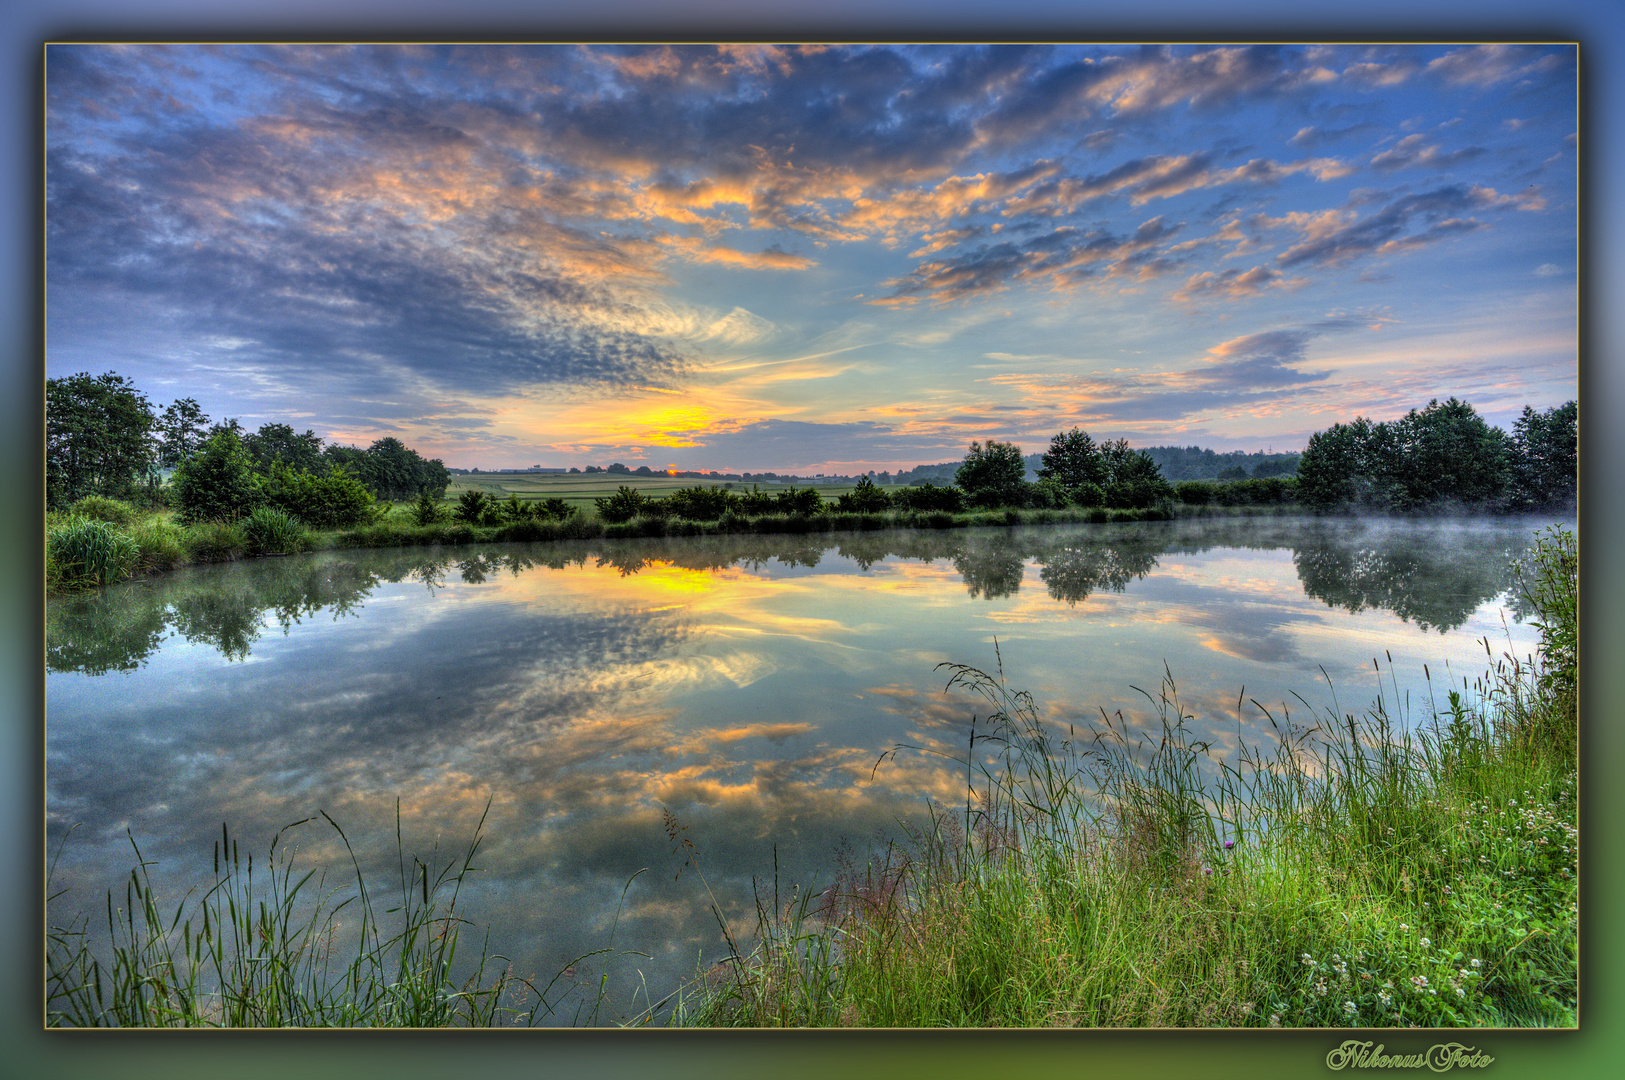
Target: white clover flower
(1476,963)
(1426,943)
(1460,992)
(1384,996)
(1350,1008)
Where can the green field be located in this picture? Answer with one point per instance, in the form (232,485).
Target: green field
(581,489)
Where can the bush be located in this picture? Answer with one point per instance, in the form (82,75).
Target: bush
(215,541)
(794,500)
(1196,492)
(1048,495)
(473,507)
(557,509)
(700,503)
(82,552)
(865,498)
(427,509)
(269,530)
(102,508)
(217,482)
(622,506)
(929,496)
(331,500)
(756,503)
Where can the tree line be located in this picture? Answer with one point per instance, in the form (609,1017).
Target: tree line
(103,437)
(1444,456)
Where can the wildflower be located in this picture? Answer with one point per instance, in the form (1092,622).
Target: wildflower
(1207,870)
(1384,996)
(1426,943)
(1460,992)
(1228,844)
(1404,926)
(1307,960)
(1246,1008)
(1350,1008)
(1419,981)
(1476,963)
(1275,1019)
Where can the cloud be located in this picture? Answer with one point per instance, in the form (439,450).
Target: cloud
(1334,239)
(1235,284)
(1485,65)
(1414,152)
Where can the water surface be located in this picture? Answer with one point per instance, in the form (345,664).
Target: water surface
(745,686)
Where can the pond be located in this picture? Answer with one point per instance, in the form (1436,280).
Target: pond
(738,691)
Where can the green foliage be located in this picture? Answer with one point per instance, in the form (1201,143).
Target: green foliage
(701,503)
(1196,492)
(427,510)
(864,498)
(82,552)
(1442,455)
(181,430)
(992,475)
(1048,494)
(622,506)
(1073,460)
(1545,457)
(755,502)
(794,500)
(331,499)
(929,497)
(557,509)
(1548,579)
(392,470)
(102,508)
(162,545)
(215,541)
(476,507)
(278,442)
(217,482)
(270,530)
(97,438)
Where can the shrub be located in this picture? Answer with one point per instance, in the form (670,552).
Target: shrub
(331,500)
(473,507)
(557,509)
(624,505)
(427,509)
(269,529)
(1048,495)
(929,496)
(1195,492)
(794,500)
(756,503)
(102,508)
(86,552)
(217,482)
(865,498)
(215,541)
(700,503)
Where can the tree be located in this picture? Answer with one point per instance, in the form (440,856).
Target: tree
(1073,459)
(274,442)
(992,475)
(181,430)
(1334,470)
(1445,453)
(218,481)
(1545,457)
(97,437)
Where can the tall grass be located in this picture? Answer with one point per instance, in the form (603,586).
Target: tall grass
(1337,870)
(262,948)
(84,552)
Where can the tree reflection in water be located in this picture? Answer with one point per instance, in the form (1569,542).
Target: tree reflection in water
(1434,576)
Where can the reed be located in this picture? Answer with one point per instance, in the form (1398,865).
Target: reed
(1341,869)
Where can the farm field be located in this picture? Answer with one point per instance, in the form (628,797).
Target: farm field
(581,489)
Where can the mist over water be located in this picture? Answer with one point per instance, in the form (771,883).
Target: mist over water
(747,685)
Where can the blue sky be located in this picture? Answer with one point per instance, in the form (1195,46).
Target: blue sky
(813,259)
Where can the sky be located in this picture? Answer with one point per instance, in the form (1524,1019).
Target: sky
(805,258)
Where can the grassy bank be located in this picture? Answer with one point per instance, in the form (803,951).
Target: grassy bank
(84,551)
(1346,872)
